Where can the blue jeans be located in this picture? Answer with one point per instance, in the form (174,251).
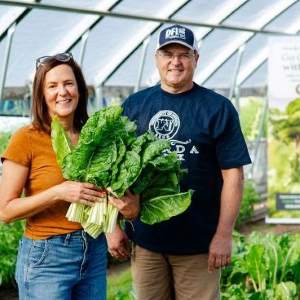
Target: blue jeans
(64,267)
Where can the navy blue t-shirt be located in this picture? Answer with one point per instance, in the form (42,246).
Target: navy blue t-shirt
(203,128)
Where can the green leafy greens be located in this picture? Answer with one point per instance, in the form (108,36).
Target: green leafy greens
(111,156)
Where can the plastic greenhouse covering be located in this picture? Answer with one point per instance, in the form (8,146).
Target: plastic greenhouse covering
(111,49)
(115,40)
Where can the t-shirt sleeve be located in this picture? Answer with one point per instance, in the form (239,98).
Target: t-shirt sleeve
(18,149)
(231,148)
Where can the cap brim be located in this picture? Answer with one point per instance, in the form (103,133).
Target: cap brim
(177,42)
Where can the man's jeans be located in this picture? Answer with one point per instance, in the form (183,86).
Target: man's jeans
(64,267)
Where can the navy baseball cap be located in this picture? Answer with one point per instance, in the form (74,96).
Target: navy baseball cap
(177,34)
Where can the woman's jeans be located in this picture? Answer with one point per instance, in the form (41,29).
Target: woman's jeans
(64,267)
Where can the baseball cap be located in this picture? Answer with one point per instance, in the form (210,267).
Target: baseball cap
(179,35)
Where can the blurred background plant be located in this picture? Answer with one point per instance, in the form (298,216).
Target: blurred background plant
(250,197)
(4,138)
(9,240)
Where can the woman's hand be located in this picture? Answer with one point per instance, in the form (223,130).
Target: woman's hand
(128,205)
(78,192)
(118,243)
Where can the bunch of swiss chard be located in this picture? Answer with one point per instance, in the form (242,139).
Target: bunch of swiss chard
(112,157)
(264,266)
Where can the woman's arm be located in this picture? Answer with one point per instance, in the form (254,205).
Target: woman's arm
(13,180)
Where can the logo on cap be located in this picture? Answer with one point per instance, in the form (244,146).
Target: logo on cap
(175,33)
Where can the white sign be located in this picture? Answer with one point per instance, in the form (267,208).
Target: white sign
(284,70)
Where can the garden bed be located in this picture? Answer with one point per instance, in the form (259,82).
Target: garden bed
(119,275)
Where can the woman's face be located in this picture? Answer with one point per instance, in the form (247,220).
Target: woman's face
(61,92)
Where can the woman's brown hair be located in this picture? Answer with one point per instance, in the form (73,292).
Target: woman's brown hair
(41,117)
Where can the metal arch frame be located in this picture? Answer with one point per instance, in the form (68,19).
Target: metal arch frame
(226,16)
(75,35)
(103,13)
(148,29)
(10,22)
(14,18)
(141,43)
(245,44)
(235,8)
(112,6)
(81,28)
(202,76)
(226,12)
(10,34)
(142,64)
(136,17)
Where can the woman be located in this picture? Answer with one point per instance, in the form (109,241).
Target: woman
(57,260)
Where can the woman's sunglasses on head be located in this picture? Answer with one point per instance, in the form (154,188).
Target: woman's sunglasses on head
(62,57)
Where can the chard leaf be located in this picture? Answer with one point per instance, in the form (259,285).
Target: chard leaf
(286,290)
(256,265)
(167,162)
(101,125)
(99,168)
(154,149)
(101,128)
(75,163)
(121,151)
(144,180)
(273,259)
(160,184)
(163,208)
(128,130)
(166,179)
(130,169)
(151,193)
(60,141)
(88,131)
(142,142)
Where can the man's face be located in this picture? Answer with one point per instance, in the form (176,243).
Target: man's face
(176,65)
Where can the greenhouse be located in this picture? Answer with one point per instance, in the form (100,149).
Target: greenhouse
(249,52)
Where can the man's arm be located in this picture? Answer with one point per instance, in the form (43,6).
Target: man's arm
(221,244)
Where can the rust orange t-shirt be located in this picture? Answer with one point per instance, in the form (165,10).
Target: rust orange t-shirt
(32,148)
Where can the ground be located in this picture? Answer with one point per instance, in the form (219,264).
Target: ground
(260,226)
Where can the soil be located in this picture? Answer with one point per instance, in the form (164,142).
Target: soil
(11,294)
(275,228)
(8,294)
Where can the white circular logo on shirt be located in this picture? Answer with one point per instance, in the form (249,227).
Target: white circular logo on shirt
(165,124)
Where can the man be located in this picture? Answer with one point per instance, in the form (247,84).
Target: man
(181,258)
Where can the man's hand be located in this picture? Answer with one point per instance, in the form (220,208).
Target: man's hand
(221,244)
(128,205)
(219,251)
(118,243)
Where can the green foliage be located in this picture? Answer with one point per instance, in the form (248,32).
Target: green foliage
(250,114)
(61,142)
(9,240)
(286,129)
(162,208)
(109,155)
(250,197)
(286,125)
(4,138)
(283,158)
(119,287)
(263,267)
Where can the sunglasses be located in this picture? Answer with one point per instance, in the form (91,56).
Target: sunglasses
(62,57)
